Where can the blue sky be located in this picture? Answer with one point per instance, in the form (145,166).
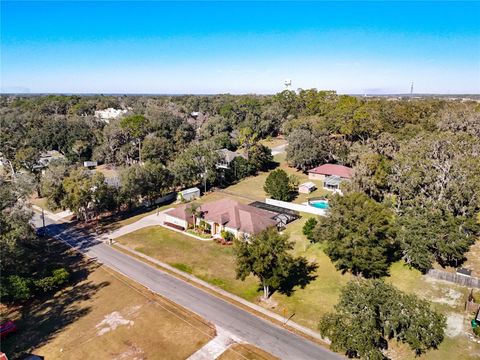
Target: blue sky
(248,47)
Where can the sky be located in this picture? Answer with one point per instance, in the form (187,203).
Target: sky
(239,47)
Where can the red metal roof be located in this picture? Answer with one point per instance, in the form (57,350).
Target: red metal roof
(232,214)
(333,169)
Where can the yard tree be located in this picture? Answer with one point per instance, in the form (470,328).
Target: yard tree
(370,313)
(157,149)
(371,175)
(359,234)
(308,228)
(148,181)
(51,183)
(193,210)
(306,150)
(259,157)
(247,138)
(195,164)
(27,158)
(266,255)
(432,234)
(278,185)
(24,266)
(87,195)
(17,236)
(136,128)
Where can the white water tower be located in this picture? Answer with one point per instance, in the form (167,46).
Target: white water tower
(288,84)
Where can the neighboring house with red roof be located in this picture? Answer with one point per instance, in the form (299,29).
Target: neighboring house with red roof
(323,171)
(225,214)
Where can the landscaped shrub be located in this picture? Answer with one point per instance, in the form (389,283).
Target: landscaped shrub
(16,288)
(227,235)
(49,283)
(308,228)
(204,226)
(476,330)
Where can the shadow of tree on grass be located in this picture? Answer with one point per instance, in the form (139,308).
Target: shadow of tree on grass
(301,273)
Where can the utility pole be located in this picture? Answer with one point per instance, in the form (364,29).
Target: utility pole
(43,221)
(44,231)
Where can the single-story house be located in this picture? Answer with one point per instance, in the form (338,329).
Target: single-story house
(225,214)
(227,156)
(188,194)
(306,188)
(325,170)
(47,157)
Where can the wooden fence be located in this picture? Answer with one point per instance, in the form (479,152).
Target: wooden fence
(468,281)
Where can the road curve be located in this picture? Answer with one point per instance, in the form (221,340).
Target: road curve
(250,328)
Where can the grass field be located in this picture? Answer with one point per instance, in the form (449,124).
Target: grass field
(105,316)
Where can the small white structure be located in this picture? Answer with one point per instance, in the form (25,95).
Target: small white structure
(90,164)
(306,188)
(189,194)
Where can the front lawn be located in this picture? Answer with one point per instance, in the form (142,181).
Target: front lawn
(207,260)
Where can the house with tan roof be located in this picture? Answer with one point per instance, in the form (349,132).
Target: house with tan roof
(225,214)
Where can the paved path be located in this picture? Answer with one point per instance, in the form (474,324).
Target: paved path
(150,220)
(279,149)
(216,347)
(244,325)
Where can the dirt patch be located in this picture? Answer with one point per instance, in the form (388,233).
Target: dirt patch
(111,322)
(454,325)
(449,297)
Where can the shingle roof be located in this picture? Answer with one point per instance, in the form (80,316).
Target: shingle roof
(232,214)
(228,155)
(333,169)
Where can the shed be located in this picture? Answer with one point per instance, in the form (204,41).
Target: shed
(189,194)
(306,188)
(90,164)
(465,272)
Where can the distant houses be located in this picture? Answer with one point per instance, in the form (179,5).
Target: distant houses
(47,157)
(227,156)
(110,113)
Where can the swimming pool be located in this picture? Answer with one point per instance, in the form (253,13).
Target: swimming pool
(319,204)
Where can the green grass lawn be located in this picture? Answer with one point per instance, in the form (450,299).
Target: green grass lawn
(273,142)
(207,260)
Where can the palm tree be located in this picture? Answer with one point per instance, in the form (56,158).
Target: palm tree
(193,210)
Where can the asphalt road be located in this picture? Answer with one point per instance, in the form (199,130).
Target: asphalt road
(254,330)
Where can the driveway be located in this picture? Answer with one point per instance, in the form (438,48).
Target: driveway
(279,149)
